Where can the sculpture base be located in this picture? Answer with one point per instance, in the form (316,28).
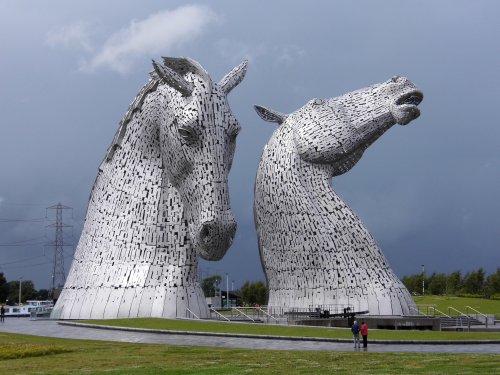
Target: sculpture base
(119,303)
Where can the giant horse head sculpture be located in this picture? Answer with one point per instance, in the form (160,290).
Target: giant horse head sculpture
(159,201)
(314,249)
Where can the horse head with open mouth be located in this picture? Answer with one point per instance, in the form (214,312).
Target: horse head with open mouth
(314,249)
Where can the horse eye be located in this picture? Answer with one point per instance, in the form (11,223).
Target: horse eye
(187,135)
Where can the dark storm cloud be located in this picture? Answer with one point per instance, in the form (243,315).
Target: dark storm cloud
(427,191)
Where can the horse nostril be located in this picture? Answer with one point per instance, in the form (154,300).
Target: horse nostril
(205,231)
(213,232)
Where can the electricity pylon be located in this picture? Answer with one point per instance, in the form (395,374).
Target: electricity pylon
(58,272)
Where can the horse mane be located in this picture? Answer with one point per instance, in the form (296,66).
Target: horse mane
(182,66)
(135,106)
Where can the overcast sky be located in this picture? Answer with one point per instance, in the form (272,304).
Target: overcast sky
(428,192)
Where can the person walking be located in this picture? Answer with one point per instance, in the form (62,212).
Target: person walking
(364,333)
(2,314)
(355,334)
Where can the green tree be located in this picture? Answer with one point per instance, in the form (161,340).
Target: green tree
(493,284)
(453,283)
(210,285)
(254,293)
(27,291)
(413,283)
(4,289)
(42,294)
(436,284)
(474,282)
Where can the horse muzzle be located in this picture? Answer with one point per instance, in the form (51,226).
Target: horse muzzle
(213,237)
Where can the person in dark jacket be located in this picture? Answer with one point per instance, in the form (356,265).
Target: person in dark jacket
(355,334)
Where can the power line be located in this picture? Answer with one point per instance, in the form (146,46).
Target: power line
(24,245)
(34,265)
(22,260)
(28,242)
(21,242)
(36,220)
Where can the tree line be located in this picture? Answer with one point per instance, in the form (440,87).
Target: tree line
(472,284)
(9,291)
(250,293)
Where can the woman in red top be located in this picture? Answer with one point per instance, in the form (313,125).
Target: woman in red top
(364,333)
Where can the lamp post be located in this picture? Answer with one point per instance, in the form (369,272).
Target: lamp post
(20,284)
(423,280)
(227,290)
(220,291)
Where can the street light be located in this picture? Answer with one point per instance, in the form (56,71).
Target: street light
(227,290)
(423,280)
(20,284)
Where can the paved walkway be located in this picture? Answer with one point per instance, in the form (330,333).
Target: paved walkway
(51,328)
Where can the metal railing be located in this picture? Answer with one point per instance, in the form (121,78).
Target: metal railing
(417,310)
(430,310)
(460,316)
(242,313)
(219,314)
(478,313)
(439,311)
(450,308)
(279,314)
(267,314)
(250,314)
(192,313)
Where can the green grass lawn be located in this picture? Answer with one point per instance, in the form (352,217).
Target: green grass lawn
(485,306)
(441,302)
(276,330)
(21,354)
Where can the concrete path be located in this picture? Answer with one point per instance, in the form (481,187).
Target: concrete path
(51,328)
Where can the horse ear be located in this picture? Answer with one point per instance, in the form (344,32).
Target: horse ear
(173,79)
(267,114)
(233,78)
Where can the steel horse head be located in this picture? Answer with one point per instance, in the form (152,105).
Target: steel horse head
(329,258)
(197,139)
(159,201)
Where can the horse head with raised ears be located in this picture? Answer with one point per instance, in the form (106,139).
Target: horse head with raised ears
(159,201)
(197,133)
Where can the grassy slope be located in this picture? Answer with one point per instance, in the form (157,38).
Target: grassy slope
(485,306)
(63,356)
(261,329)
